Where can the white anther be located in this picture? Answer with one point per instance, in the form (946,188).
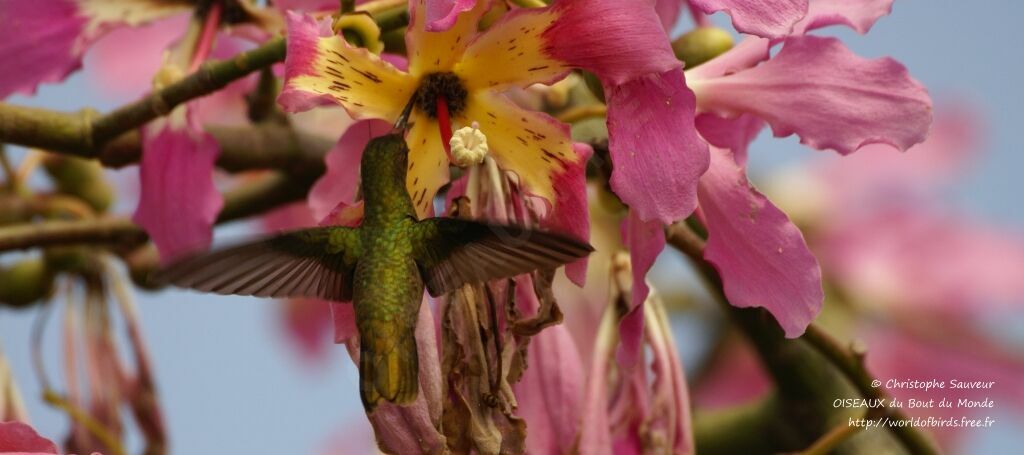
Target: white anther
(469,146)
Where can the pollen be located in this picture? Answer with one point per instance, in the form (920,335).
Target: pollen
(469,146)
(441,85)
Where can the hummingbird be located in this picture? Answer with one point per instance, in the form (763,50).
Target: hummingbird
(382,267)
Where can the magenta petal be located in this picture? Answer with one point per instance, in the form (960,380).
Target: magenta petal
(441,14)
(178,202)
(571,214)
(669,12)
(551,392)
(414,428)
(815,87)
(303,33)
(340,184)
(39,42)
(630,41)
(17,437)
(745,54)
(645,240)
(657,153)
(307,324)
(765,18)
(760,254)
(859,15)
(344,317)
(734,134)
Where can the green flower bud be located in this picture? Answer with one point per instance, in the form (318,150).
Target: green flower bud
(81,178)
(701,44)
(25,282)
(359,29)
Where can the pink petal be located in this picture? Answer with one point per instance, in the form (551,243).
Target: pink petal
(859,15)
(178,203)
(344,316)
(289,217)
(123,62)
(39,42)
(831,98)
(307,322)
(414,428)
(645,240)
(551,391)
(760,254)
(441,14)
(303,34)
(571,215)
(669,12)
(950,261)
(654,146)
(733,134)
(765,18)
(629,43)
(746,54)
(20,437)
(308,6)
(340,184)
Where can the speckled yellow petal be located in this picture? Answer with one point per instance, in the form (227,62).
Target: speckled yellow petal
(432,52)
(511,52)
(533,145)
(326,69)
(428,165)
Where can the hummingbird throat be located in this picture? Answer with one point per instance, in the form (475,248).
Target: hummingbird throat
(441,96)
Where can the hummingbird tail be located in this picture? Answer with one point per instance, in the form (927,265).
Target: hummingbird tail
(388,369)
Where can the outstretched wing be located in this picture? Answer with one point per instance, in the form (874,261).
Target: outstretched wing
(317,262)
(453,252)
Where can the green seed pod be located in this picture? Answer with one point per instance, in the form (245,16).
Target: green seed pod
(81,178)
(701,44)
(25,282)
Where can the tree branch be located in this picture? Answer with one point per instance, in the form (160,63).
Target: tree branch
(801,367)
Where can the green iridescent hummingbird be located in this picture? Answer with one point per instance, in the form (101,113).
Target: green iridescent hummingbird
(380,266)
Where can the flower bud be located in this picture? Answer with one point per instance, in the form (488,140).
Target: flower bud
(25,282)
(469,146)
(701,44)
(359,29)
(81,178)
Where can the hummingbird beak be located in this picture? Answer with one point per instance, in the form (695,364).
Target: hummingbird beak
(402,124)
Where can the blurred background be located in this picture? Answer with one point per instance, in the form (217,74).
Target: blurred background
(232,381)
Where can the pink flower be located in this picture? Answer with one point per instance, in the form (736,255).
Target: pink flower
(17,437)
(627,54)
(46,40)
(178,203)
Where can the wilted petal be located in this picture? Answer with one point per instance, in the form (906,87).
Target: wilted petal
(859,15)
(654,146)
(340,184)
(733,134)
(765,18)
(831,98)
(18,437)
(645,240)
(414,428)
(570,215)
(761,255)
(178,202)
(551,391)
(323,69)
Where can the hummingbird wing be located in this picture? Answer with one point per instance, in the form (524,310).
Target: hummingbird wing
(452,252)
(316,263)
